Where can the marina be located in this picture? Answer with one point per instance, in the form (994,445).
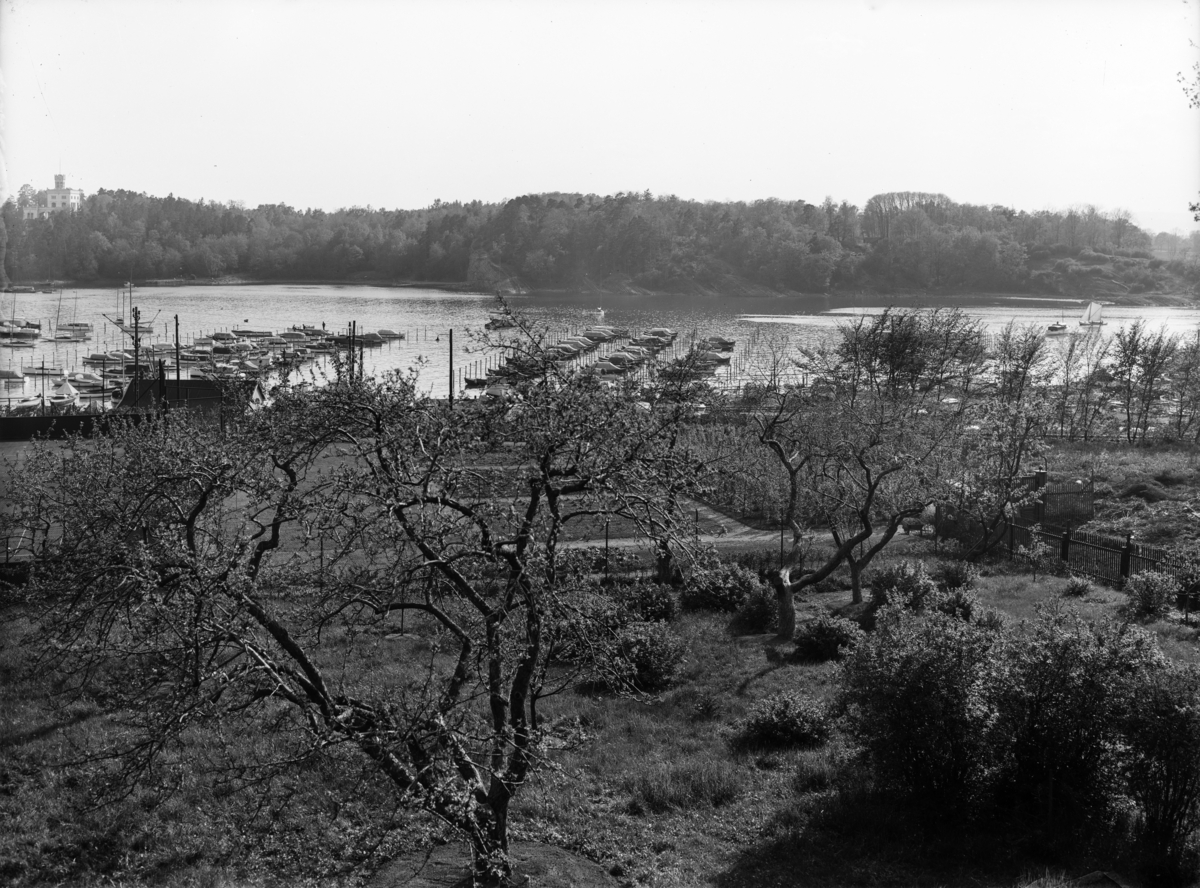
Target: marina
(253,329)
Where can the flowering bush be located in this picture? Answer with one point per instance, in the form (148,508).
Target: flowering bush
(718,586)
(1151,593)
(787,719)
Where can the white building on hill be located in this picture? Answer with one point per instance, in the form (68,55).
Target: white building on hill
(55,200)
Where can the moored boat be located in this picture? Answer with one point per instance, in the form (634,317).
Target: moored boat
(1093,315)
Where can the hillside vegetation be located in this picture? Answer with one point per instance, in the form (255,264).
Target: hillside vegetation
(627,242)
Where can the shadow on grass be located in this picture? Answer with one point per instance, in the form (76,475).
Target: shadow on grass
(19,739)
(823,840)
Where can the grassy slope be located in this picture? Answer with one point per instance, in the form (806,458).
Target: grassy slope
(1150,492)
(656,793)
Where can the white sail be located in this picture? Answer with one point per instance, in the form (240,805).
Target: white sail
(1092,315)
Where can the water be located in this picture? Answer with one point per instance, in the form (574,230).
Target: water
(426,317)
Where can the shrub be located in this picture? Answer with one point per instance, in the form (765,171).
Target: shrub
(783,720)
(651,655)
(758,613)
(920,701)
(951,575)
(706,707)
(718,586)
(647,601)
(1162,736)
(1151,593)
(960,603)
(1077,586)
(758,561)
(826,638)
(1064,690)
(906,584)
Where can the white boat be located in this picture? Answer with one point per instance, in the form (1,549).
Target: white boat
(1058,328)
(27,405)
(1092,315)
(86,379)
(64,394)
(11,331)
(41,370)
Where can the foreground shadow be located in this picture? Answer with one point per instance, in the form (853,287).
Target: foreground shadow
(824,842)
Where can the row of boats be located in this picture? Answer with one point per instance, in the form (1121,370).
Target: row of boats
(703,357)
(237,354)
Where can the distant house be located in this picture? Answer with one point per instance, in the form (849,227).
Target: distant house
(55,200)
(206,395)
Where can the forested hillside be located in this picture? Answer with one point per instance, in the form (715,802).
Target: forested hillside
(626,241)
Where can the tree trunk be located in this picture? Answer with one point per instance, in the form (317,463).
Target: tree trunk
(779,580)
(855,580)
(491,865)
(663,563)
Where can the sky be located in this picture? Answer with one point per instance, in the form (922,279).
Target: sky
(1033,104)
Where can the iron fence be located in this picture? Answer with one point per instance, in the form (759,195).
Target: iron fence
(1102,558)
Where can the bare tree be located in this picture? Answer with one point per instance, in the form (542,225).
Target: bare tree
(194,579)
(1139,363)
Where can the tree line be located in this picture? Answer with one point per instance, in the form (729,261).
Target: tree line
(567,241)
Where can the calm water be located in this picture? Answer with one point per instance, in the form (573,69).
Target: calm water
(426,317)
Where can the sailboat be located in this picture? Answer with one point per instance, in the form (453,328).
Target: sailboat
(1092,315)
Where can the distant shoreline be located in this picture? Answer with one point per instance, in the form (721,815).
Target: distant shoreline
(1163,300)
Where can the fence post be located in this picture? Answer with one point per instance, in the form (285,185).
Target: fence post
(1039,482)
(1126,557)
(1008,527)
(1065,554)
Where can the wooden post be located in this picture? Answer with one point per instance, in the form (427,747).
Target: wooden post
(1127,557)
(1065,553)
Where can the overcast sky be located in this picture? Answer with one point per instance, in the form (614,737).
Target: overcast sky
(1035,104)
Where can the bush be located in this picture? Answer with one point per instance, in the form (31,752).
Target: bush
(1162,736)
(826,638)
(718,586)
(920,699)
(783,720)
(906,584)
(960,603)
(1077,586)
(758,613)
(758,561)
(1064,689)
(647,601)
(1151,593)
(651,655)
(951,575)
